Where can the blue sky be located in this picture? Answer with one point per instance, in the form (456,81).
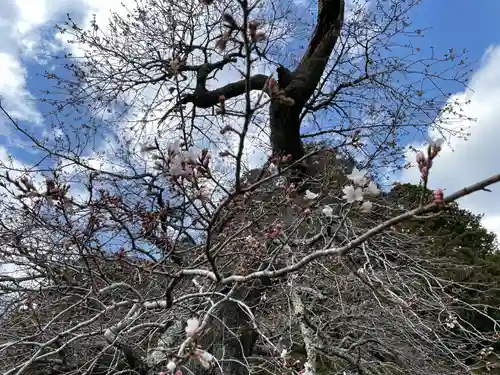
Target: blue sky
(460,23)
(27,33)
(471,25)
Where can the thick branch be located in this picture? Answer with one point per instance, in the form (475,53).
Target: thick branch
(208,99)
(205,69)
(313,63)
(111,335)
(337,251)
(308,334)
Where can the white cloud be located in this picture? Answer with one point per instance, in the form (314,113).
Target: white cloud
(464,162)
(31,14)
(21,25)
(18,101)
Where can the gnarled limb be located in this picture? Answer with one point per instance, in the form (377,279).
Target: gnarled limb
(207,99)
(313,63)
(285,120)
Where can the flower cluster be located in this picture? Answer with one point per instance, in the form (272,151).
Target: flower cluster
(361,187)
(425,162)
(26,305)
(205,358)
(275,92)
(231,25)
(273,86)
(438,196)
(252,242)
(288,361)
(274,161)
(451,321)
(485,352)
(274,231)
(181,163)
(309,195)
(327,211)
(174,65)
(222,105)
(192,327)
(255,34)
(171,367)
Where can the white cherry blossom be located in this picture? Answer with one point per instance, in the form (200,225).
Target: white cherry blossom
(357,176)
(352,194)
(308,369)
(310,195)
(192,326)
(366,207)
(372,189)
(171,366)
(207,356)
(327,211)
(284,353)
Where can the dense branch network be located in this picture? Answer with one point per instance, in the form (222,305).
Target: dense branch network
(162,267)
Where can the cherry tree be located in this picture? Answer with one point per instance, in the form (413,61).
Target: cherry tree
(143,241)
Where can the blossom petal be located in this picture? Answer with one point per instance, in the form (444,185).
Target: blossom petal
(366,207)
(372,189)
(327,211)
(310,195)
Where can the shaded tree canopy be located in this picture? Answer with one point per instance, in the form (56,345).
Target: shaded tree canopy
(368,311)
(144,240)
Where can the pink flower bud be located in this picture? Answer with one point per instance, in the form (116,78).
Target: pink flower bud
(274,233)
(438,196)
(222,101)
(436,147)
(121,253)
(259,36)
(221,44)
(420,157)
(252,25)
(273,85)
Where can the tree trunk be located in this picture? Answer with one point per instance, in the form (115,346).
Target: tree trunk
(285,129)
(233,336)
